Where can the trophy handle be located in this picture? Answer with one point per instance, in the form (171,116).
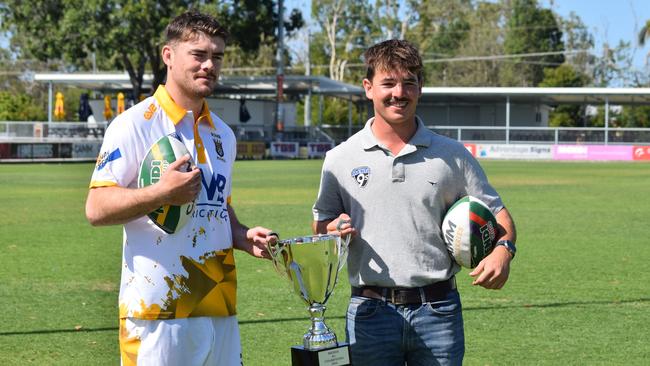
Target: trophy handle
(343,245)
(278,251)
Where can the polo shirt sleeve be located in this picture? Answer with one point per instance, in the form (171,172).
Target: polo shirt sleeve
(477,185)
(117,164)
(329,204)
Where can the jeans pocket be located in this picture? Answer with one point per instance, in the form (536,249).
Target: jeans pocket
(362,308)
(449,306)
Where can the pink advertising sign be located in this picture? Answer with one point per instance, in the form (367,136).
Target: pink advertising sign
(592,152)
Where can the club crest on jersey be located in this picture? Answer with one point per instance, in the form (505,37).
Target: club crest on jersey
(361,175)
(218,146)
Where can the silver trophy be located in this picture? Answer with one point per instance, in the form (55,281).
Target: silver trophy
(312,264)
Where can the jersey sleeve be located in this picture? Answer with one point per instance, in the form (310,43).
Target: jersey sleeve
(117,163)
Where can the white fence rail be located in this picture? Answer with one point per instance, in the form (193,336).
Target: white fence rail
(20,141)
(51,131)
(530,135)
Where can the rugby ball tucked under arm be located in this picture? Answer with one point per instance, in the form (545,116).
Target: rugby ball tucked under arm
(469,230)
(163,152)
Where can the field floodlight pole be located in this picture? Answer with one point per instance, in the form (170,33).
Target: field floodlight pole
(507,119)
(606,120)
(308,74)
(279,117)
(50,94)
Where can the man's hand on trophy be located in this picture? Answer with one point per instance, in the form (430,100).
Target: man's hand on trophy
(258,238)
(342,226)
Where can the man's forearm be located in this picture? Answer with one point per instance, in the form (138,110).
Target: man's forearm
(320,227)
(118,205)
(239,231)
(506,226)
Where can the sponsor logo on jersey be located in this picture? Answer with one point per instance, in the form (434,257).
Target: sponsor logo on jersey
(361,175)
(106,157)
(215,206)
(150,111)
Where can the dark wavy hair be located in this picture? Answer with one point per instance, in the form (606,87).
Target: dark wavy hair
(189,24)
(394,54)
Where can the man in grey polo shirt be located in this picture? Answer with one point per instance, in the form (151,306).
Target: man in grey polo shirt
(389,186)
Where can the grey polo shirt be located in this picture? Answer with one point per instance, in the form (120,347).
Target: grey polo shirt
(397,204)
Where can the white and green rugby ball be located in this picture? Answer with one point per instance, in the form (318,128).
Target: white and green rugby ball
(163,152)
(469,230)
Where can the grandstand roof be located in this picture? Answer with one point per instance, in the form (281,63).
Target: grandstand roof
(300,85)
(550,96)
(228,85)
(296,85)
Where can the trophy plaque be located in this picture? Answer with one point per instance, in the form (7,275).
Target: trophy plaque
(312,264)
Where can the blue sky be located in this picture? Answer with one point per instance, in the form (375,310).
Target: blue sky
(610,21)
(607,20)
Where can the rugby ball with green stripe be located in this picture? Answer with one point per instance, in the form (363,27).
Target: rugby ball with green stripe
(469,230)
(163,152)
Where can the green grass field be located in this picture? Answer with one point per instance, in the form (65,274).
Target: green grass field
(579,292)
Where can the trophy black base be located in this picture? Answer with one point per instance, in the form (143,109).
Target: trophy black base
(335,356)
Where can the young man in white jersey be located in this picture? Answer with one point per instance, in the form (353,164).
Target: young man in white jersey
(177,302)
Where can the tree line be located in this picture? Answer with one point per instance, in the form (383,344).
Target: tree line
(463,43)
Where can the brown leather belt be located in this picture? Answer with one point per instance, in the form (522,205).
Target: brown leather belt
(408,295)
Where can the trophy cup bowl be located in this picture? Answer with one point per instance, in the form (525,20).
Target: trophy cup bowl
(312,264)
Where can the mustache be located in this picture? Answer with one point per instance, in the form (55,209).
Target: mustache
(397,100)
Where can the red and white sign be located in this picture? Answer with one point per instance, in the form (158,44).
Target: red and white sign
(471,148)
(641,153)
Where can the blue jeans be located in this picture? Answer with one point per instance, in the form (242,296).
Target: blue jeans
(383,334)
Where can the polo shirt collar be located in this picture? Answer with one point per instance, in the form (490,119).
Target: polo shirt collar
(368,139)
(176,112)
(421,137)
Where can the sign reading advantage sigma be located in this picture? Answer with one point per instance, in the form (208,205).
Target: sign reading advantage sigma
(515,151)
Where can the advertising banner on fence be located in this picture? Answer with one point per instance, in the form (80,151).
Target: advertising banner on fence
(86,149)
(514,151)
(318,149)
(5,151)
(251,150)
(641,153)
(35,151)
(592,152)
(284,150)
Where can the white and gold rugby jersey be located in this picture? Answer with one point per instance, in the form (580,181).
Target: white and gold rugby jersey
(191,272)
